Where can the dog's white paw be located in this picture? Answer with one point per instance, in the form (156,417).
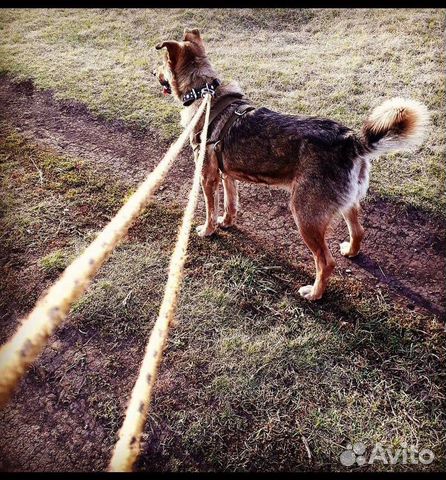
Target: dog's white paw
(204,230)
(224,222)
(346,250)
(307,293)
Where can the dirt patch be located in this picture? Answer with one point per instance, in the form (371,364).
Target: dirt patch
(403,248)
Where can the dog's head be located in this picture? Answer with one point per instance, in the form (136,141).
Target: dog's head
(185,64)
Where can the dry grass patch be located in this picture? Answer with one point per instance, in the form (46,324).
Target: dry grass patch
(334,63)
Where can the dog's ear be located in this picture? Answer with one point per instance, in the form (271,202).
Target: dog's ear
(192,35)
(173,49)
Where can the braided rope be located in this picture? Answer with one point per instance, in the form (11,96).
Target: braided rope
(128,446)
(32,335)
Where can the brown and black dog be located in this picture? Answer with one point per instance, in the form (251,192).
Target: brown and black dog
(323,164)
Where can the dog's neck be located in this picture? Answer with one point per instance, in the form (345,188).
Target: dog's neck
(224,89)
(195,93)
(191,74)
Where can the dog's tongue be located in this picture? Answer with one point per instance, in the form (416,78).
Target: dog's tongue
(165,91)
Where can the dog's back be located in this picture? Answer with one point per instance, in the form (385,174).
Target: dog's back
(273,148)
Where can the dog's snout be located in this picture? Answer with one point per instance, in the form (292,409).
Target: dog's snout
(154,72)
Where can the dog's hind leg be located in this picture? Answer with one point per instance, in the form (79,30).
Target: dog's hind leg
(313,224)
(355,230)
(314,237)
(210,178)
(230,202)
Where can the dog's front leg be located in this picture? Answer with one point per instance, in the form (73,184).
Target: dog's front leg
(230,202)
(210,177)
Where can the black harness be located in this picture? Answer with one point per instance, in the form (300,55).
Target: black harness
(231,100)
(242,107)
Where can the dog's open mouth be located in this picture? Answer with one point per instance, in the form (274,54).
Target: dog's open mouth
(166,87)
(164,83)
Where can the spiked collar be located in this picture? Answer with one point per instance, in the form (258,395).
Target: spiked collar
(196,93)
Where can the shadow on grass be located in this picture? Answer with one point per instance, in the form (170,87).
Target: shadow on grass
(404,246)
(379,328)
(367,263)
(312,381)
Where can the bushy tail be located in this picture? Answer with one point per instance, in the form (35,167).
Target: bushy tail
(396,124)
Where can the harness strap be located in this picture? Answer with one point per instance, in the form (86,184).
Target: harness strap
(219,144)
(242,107)
(220,106)
(227,100)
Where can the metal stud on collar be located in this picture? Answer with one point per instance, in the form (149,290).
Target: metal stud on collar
(193,95)
(208,89)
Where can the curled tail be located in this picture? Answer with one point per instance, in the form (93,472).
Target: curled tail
(396,124)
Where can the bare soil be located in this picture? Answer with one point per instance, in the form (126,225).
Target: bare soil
(403,253)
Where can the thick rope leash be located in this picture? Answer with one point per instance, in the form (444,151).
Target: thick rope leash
(32,335)
(128,446)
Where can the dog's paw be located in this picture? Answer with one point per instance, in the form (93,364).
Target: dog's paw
(346,250)
(224,222)
(307,293)
(204,230)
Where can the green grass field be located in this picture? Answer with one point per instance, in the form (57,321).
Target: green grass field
(335,63)
(253,377)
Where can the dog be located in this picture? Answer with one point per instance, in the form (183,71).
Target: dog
(324,165)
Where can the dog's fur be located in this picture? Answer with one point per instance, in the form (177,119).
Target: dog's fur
(323,164)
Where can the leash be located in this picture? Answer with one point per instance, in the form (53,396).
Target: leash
(128,446)
(33,332)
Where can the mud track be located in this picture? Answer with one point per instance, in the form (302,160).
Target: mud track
(403,249)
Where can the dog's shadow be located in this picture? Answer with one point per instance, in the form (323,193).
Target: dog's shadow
(338,307)
(407,242)
(367,263)
(363,260)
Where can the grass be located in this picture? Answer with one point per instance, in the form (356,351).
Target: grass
(251,374)
(334,63)
(55,261)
